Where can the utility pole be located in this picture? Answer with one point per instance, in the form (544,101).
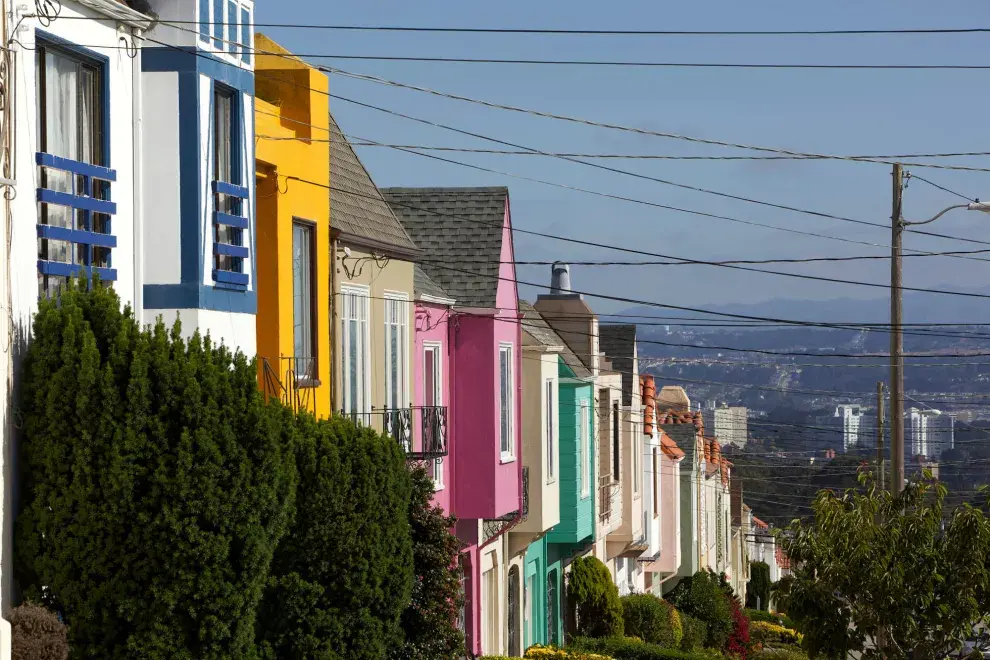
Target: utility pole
(896,338)
(880,420)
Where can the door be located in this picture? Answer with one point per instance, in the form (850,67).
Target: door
(513,619)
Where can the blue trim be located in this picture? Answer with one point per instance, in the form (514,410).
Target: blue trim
(230,220)
(71,270)
(76,236)
(76,201)
(191,165)
(189,60)
(76,167)
(231,251)
(233,189)
(228,298)
(230,277)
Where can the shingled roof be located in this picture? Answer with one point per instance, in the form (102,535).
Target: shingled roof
(461,227)
(357,209)
(536,326)
(423,284)
(618,342)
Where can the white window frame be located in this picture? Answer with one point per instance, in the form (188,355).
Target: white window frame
(584,439)
(509,455)
(549,390)
(363,409)
(402,327)
(637,476)
(436,348)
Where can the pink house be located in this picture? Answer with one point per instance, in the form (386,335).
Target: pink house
(465,235)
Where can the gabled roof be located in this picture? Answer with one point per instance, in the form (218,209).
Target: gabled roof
(618,342)
(423,284)
(357,209)
(461,231)
(536,326)
(670,447)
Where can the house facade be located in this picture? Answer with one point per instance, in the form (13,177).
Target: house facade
(293,227)
(467,234)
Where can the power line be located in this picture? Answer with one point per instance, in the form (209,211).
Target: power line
(943,188)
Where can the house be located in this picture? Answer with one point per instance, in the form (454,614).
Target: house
(741,532)
(628,541)
(662,463)
(467,235)
(716,528)
(549,554)
(373,285)
(763,547)
(293,226)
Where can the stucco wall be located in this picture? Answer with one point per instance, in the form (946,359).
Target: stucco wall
(538,368)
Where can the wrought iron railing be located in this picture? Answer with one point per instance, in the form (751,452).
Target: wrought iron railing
(294,383)
(396,422)
(492,527)
(605,498)
(433,433)
(525,490)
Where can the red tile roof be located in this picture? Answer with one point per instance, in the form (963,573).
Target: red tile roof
(681,417)
(759,523)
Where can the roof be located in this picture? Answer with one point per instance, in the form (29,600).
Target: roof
(618,342)
(536,326)
(670,447)
(673,397)
(462,227)
(423,284)
(683,417)
(760,523)
(357,208)
(783,561)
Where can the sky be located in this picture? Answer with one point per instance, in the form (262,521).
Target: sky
(821,111)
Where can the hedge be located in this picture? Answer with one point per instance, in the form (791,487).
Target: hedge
(703,597)
(764,632)
(629,648)
(593,599)
(652,619)
(694,631)
(156,484)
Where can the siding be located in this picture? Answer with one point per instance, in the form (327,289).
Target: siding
(576,512)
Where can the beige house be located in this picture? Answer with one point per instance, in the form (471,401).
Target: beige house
(372,324)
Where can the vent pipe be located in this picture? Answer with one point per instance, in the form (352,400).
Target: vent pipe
(560,278)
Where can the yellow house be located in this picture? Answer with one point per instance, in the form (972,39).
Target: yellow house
(293,232)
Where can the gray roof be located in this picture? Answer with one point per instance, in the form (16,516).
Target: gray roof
(423,284)
(357,208)
(460,227)
(618,342)
(536,326)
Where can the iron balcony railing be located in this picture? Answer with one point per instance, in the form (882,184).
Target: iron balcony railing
(293,383)
(525,490)
(400,422)
(605,498)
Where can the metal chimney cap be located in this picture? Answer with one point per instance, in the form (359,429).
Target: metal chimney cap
(560,278)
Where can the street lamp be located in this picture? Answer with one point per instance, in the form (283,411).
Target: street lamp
(896,318)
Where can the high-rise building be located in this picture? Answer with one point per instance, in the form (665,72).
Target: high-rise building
(924,434)
(727,423)
(850,417)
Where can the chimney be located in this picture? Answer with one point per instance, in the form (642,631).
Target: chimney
(560,279)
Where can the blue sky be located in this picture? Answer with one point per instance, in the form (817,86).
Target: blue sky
(851,112)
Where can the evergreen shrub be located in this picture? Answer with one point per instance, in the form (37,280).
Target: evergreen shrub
(652,619)
(594,599)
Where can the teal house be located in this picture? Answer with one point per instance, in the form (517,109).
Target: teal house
(547,557)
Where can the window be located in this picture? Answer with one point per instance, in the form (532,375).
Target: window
(303,301)
(550,443)
(204,20)
(224,170)
(505,401)
(615,442)
(656,484)
(354,351)
(228,32)
(584,450)
(396,351)
(489,612)
(218,24)
(433,396)
(637,474)
(528,594)
(232,46)
(246,34)
(71,112)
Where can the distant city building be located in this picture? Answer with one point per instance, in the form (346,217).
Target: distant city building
(850,417)
(928,433)
(727,423)
(942,433)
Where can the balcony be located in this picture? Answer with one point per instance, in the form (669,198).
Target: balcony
(606,493)
(230,224)
(433,433)
(293,383)
(396,422)
(74,224)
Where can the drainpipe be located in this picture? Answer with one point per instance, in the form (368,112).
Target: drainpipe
(333,316)
(137,108)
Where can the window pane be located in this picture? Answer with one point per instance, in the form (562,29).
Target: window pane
(429,358)
(355,350)
(504,399)
(218,24)
(246,34)
(223,111)
(61,106)
(393,375)
(204,20)
(302,298)
(232,28)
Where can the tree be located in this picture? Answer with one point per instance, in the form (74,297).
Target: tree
(705,597)
(343,575)
(156,484)
(872,562)
(594,599)
(758,588)
(429,622)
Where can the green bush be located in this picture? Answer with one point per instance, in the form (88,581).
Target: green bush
(703,597)
(629,648)
(429,620)
(652,619)
(594,599)
(778,654)
(37,634)
(156,484)
(694,631)
(758,588)
(342,576)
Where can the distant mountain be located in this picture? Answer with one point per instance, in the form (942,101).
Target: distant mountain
(918,308)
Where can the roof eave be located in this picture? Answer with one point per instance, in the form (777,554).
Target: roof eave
(388,249)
